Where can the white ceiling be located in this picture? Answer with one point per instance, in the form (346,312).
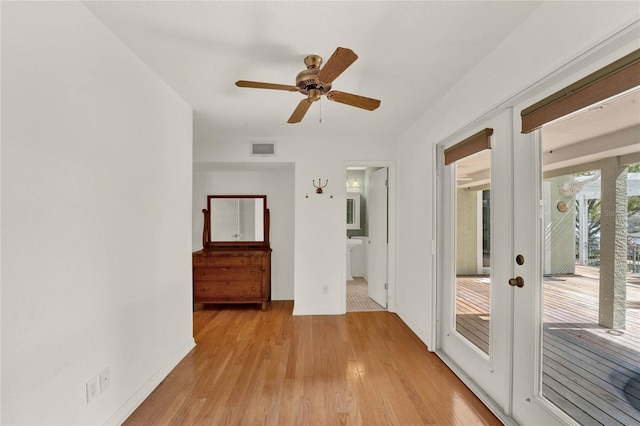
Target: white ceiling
(410,54)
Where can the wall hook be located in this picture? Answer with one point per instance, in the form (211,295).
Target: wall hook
(320,185)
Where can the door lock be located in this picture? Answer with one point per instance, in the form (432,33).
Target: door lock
(516,282)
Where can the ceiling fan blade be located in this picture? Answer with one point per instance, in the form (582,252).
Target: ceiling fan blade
(260,85)
(300,111)
(341,59)
(353,100)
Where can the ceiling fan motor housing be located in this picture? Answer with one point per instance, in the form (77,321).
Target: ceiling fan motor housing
(307,80)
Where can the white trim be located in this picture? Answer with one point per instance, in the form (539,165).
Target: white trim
(391,218)
(416,329)
(477,390)
(120,416)
(479,233)
(434,341)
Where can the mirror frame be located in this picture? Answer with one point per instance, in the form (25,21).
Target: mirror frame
(356,197)
(206,232)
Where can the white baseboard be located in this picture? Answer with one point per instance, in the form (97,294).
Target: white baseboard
(321,311)
(120,416)
(418,331)
(477,390)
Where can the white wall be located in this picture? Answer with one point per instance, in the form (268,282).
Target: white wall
(555,34)
(319,223)
(274,182)
(96,219)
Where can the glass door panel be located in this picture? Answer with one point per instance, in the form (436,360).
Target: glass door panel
(591,326)
(473,242)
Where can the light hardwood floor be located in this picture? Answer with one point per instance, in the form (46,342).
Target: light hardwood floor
(253,367)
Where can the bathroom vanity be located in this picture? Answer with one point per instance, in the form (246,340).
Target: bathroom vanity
(234,265)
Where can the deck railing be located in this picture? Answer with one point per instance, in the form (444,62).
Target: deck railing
(633,255)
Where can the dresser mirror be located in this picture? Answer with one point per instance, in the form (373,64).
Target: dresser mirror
(236,220)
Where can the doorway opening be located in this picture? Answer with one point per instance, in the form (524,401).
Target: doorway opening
(367,234)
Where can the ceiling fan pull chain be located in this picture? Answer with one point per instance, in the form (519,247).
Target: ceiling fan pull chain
(320,103)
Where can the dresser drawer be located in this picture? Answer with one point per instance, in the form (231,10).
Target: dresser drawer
(223,273)
(226,291)
(227,260)
(232,275)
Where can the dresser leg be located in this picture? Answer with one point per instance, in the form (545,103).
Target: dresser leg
(264,306)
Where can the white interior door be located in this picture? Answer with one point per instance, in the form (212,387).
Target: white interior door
(377,250)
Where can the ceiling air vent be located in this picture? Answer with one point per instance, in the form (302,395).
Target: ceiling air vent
(263,149)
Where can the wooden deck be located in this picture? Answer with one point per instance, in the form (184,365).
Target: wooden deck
(590,372)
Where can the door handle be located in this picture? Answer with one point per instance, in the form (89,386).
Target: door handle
(516,282)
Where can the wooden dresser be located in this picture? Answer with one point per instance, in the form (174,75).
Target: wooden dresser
(234,265)
(238,275)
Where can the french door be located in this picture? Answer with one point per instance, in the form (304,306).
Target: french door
(528,405)
(541,335)
(489,297)
(476,233)
(576,334)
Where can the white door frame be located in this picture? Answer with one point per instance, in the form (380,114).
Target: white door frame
(391,252)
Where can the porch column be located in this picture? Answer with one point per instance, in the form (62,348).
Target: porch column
(613,245)
(562,230)
(467,232)
(583,229)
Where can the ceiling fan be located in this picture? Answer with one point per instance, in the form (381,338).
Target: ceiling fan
(315,82)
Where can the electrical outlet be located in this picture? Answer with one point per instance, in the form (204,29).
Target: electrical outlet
(105,379)
(92,389)
(325,289)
